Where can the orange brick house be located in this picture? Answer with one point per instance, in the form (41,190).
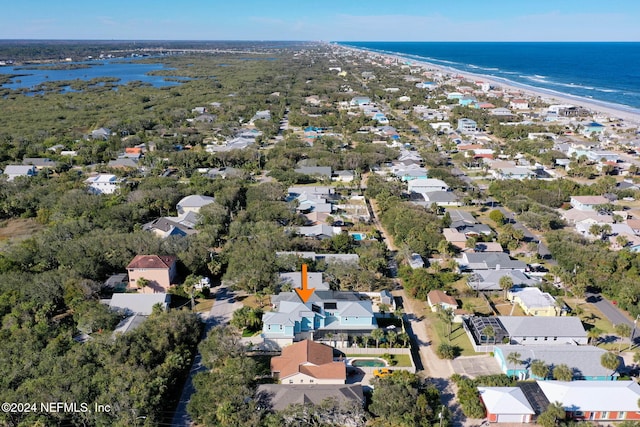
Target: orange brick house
(158,270)
(308,362)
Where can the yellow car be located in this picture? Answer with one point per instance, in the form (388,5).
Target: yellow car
(382,372)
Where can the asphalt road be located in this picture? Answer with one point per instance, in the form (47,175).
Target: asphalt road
(607,308)
(220,313)
(528,235)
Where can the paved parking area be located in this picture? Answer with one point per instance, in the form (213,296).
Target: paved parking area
(474,366)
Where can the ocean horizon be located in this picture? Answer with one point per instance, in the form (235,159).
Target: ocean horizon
(605,72)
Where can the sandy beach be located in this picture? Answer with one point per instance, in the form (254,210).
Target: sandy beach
(598,108)
(603,108)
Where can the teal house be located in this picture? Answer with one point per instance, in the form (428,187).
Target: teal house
(584,361)
(591,128)
(326,312)
(466,101)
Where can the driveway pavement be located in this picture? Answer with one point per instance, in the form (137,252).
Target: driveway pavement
(220,314)
(474,366)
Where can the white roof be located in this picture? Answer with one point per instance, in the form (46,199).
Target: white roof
(314,280)
(583,359)
(426,182)
(196,201)
(591,200)
(533,297)
(453,235)
(102,178)
(531,326)
(18,169)
(593,395)
(138,303)
(505,400)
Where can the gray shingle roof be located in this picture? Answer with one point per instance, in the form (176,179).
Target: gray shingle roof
(280,396)
(584,360)
(543,326)
(138,303)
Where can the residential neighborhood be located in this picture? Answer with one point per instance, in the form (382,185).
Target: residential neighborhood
(266,249)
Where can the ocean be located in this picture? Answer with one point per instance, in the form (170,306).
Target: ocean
(608,72)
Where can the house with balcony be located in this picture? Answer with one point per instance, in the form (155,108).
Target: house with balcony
(325,312)
(103,184)
(467,125)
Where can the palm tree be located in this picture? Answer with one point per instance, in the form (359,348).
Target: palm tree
(622,241)
(383,308)
(539,369)
(489,332)
(377,334)
(142,283)
(366,340)
(469,306)
(623,330)
(514,358)
(404,337)
(606,231)
(552,416)
(254,318)
(532,248)
(562,372)
(594,335)
(329,337)
(610,361)
(392,337)
(506,283)
(471,243)
(446,316)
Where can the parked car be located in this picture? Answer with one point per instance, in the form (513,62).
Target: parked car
(382,372)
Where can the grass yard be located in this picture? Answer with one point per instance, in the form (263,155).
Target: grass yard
(438,333)
(204,305)
(254,301)
(505,308)
(590,316)
(248,333)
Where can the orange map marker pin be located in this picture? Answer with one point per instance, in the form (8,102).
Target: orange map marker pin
(305,293)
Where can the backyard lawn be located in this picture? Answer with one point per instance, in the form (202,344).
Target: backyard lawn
(437,330)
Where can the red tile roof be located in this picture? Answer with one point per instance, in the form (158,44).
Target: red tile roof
(152,261)
(470,147)
(309,358)
(437,297)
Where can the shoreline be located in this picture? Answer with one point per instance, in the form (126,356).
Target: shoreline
(596,107)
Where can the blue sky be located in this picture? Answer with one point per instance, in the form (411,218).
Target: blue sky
(343,20)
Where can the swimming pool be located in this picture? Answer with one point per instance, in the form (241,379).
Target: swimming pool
(358,236)
(374,362)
